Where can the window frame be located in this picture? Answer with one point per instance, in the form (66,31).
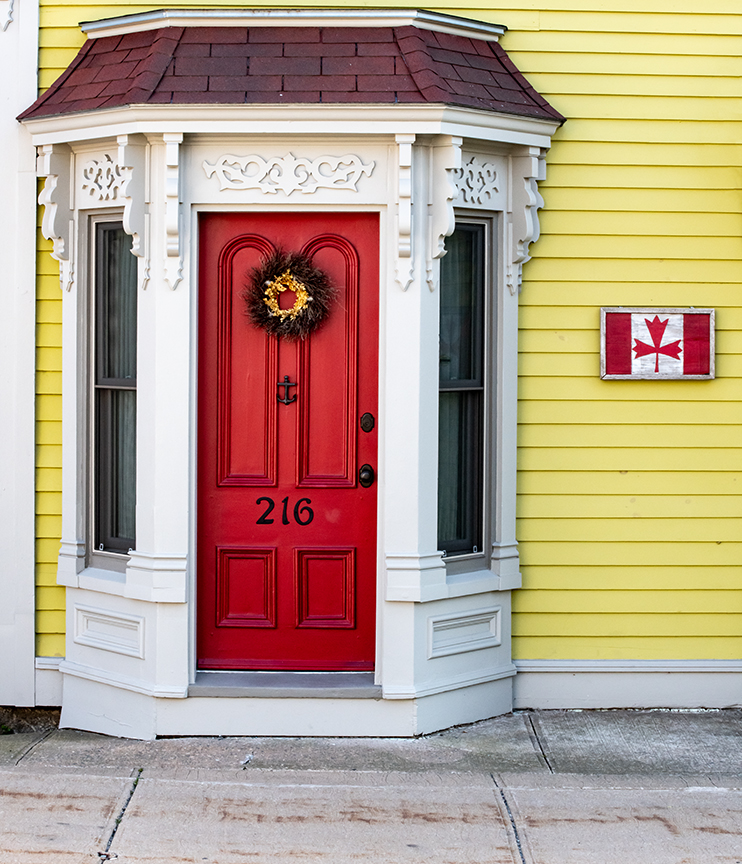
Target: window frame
(471,562)
(105,559)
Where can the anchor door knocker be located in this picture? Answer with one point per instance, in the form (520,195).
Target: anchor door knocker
(285,384)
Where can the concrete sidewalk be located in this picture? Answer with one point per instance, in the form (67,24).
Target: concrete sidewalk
(552,787)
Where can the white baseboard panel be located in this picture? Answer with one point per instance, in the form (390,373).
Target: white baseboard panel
(48,682)
(628,684)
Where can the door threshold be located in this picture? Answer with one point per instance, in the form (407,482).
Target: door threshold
(285,685)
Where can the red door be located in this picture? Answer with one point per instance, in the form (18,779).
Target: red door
(286,532)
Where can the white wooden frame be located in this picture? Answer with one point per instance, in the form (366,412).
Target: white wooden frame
(658,310)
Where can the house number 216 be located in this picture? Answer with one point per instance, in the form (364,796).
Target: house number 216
(303,513)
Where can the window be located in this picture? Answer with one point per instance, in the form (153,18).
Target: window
(462,403)
(114,390)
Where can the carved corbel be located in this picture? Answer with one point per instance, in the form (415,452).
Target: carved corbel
(6,13)
(173,257)
(445,164)
(54,163)
(132,156)
(404,211)
(522,228)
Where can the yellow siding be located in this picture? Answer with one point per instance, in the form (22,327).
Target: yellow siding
(629,492)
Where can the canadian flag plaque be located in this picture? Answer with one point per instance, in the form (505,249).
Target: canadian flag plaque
(656,343)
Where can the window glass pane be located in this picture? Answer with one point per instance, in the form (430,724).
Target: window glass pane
(461,404)
(460,479)
(116,305)
(462,320)
(115,316)
(116,469)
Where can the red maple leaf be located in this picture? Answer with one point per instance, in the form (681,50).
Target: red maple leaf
(657,331)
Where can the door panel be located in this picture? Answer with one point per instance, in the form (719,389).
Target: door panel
(286,535)
(246,374)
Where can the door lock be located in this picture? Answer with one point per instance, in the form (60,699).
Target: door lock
(366,476)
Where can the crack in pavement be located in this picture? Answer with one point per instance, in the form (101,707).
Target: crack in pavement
(33,746)
(513,826)
(536,740)
(106,854)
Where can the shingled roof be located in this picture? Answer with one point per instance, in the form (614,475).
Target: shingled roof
(289,65)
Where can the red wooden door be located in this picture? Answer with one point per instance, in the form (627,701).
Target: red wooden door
(286,533)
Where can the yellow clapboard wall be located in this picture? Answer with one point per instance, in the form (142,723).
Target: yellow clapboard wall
(630,516)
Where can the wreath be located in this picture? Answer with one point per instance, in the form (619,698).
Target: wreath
(295,272)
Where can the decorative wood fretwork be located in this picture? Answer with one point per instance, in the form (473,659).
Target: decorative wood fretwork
(54,161)
(522,227)
(173,258)
(445,168)
(288,173)
(405,262)
(132,157)
(477,182)
(104,180)
(6,13)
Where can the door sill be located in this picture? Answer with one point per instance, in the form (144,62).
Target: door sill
(286,685)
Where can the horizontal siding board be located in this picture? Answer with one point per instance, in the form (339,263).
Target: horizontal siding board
(630,507)
(650,624)
(681,647)
(680,531)
(639,554)
(584,365)
(627,459)
(694,479)
(605,602)
(607,577)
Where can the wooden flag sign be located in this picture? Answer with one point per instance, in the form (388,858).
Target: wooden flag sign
(656,343)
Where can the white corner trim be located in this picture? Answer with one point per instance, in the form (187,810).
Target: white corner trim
(48,682)
(123,682)
(292,18)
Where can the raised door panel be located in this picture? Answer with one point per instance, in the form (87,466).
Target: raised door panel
(247,372)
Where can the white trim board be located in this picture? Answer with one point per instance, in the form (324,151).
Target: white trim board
(18,64)
(422,18)
(628,684)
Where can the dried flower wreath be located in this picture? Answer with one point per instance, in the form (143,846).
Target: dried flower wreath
(288,271)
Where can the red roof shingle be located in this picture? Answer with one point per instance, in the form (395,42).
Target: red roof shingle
(260,65)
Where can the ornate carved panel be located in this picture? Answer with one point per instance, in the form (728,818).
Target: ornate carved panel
(103,180)
(477,181)
(288,173)
(325,588)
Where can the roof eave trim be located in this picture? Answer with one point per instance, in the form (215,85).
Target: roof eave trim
(316,120)
(421,18)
